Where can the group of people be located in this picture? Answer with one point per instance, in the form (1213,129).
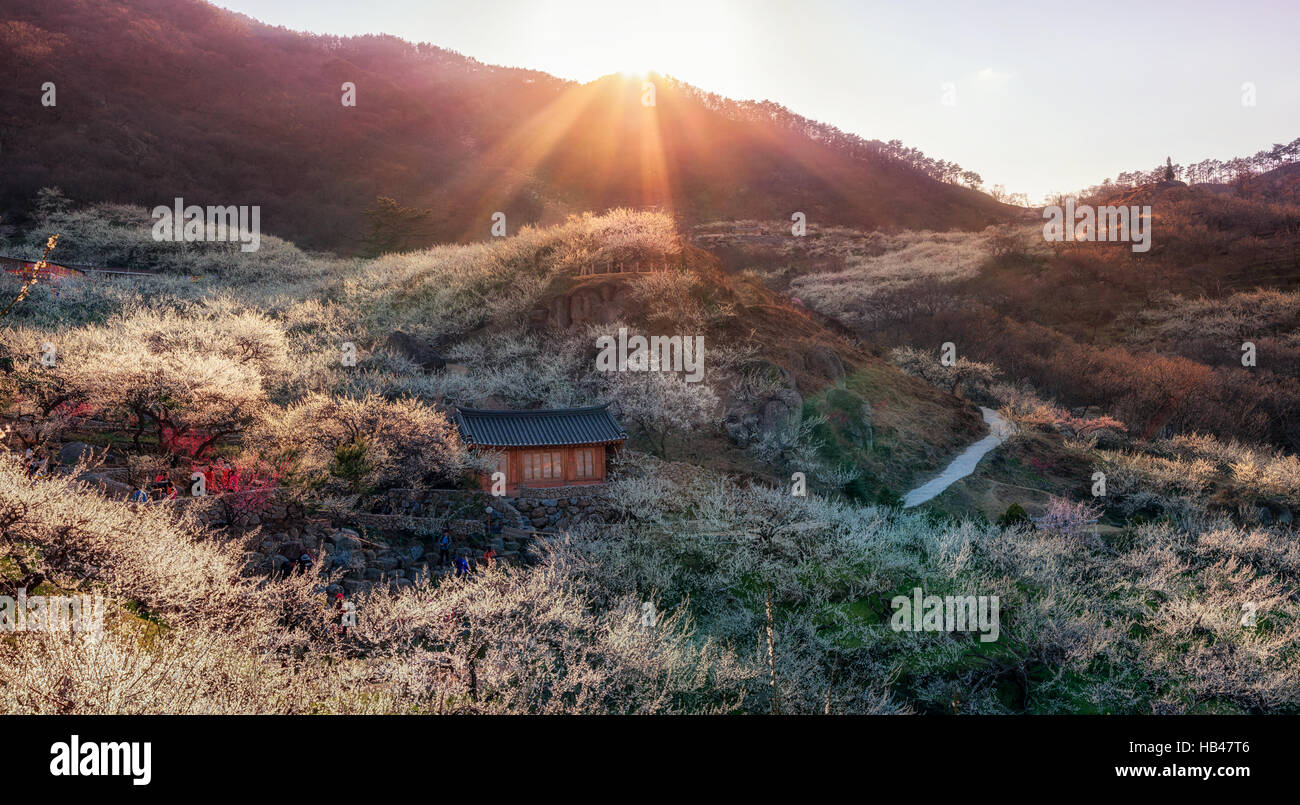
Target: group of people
(460,563)
(216,476)
(161,488)
(344,612)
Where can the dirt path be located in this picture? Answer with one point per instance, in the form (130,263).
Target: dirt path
(963,464)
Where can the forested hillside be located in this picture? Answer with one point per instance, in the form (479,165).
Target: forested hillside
(156,99)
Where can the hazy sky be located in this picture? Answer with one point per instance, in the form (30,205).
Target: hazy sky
(1049,96)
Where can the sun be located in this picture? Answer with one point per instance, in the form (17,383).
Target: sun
(700,43)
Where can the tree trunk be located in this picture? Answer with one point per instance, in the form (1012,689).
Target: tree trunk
(473,681)
(830,687)
(771,646)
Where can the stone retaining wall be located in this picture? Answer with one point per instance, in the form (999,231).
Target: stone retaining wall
(397,545)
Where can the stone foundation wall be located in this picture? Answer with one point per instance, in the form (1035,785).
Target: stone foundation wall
(395,543)
(553,509)
(558,513)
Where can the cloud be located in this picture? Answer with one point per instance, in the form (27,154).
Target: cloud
(990,76)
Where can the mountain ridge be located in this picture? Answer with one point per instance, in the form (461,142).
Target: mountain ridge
(216,107)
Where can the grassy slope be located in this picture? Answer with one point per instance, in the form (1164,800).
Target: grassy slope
(1083,630)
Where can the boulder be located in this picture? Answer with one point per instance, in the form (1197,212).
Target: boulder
(110,487)
(72,452)
(825,362)
(347,538)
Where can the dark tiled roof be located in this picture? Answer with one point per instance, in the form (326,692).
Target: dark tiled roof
(539,428)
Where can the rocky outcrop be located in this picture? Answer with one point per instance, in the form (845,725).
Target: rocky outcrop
(764,406)
(595,301)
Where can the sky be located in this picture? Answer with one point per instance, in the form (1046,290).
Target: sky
(1039,97)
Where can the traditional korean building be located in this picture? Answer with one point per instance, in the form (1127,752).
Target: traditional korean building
(547,447)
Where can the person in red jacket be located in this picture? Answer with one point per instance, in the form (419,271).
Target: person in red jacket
(163,487)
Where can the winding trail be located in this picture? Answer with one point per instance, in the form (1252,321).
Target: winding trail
(963,464)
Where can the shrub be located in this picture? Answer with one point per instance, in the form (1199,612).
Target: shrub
(857,490)
(662,405)
(355,445)
(963,377)
(1067,518)
(187,631)
(889,498)
(1014,515)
